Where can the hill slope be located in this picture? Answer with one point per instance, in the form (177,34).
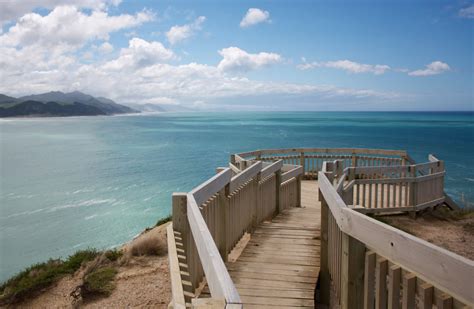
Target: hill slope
(56,103)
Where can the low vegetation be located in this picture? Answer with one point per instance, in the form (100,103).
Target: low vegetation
(40,276)
(99,282)
(164,220)
(99,269)
(148,244)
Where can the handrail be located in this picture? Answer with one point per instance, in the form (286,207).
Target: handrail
(325,150)
(272,168)
(292,173)
(210,187)
(448,270)
(244,176)
(218,278)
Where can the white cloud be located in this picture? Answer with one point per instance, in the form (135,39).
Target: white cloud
(346,65)
(139,54)
(236,59)
(254,16)
(106,48)
(180,33)
(12,9)
(434,68)
(467,12)
(68,27)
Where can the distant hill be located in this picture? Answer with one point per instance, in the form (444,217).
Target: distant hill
(56,103)
(35,108)
(4,99)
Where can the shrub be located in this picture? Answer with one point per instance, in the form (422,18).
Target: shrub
(99,282)
(42,275)
(113,255)
(164,220)
(148,244)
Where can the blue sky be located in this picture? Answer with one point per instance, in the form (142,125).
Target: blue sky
(229,55)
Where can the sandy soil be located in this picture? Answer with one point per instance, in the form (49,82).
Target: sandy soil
(141,282)
(452,232)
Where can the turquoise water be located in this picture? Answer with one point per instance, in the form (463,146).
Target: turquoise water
(72,183)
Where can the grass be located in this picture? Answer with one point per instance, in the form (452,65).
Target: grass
(40,276)
(164,220)
(113,255)
(99,282)
(148,245)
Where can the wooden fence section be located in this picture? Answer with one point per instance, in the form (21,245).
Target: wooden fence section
(312,159)
(210,220)
(377,189)
(395,269)
(368,263)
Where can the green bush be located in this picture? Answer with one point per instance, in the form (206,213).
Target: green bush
(42,275)
(164,220)
(99,282)
(113,255)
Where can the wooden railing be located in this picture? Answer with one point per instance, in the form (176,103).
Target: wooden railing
(356,250)
(368,264)
(378,189)
(211,219)
(312,159)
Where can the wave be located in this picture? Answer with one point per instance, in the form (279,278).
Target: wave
(25,213)
(87,203)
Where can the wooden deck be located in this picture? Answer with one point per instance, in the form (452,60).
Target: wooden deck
(280,264)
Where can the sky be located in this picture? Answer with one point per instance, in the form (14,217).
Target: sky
(244,55)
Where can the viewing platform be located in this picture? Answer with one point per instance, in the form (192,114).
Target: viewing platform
(288,228)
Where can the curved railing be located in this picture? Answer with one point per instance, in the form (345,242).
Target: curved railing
(312,159)
(210,220)
(366,263)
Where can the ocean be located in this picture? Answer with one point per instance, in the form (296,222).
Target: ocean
(72,183)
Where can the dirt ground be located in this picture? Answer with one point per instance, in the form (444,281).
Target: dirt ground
(453,231)
(141,282)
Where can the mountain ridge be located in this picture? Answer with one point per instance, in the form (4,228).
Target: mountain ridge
(57,103)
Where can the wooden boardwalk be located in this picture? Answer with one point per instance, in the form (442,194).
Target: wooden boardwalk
(280,264)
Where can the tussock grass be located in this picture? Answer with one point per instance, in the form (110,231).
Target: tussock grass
(40,276)
(148,244)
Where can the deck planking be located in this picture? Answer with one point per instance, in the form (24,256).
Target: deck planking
(279,266)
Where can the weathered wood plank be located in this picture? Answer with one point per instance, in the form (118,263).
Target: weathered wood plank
(210,187)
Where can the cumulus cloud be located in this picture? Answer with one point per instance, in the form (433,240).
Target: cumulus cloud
(140,53)
(434,68)
(12,9)
(68,27)
(467,12)
(346,65)
(180,33)
(254,16)
(106,48)
(235,59)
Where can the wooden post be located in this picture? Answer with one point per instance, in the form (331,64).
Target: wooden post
(352,272)
(369,280)
(302,162)
(256,200)
(298,190)
(353,164)
(224,204)
(413,192)
(324,278)
(179,213)
(277,191)
(181,224)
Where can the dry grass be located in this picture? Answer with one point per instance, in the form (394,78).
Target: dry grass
(148,244)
